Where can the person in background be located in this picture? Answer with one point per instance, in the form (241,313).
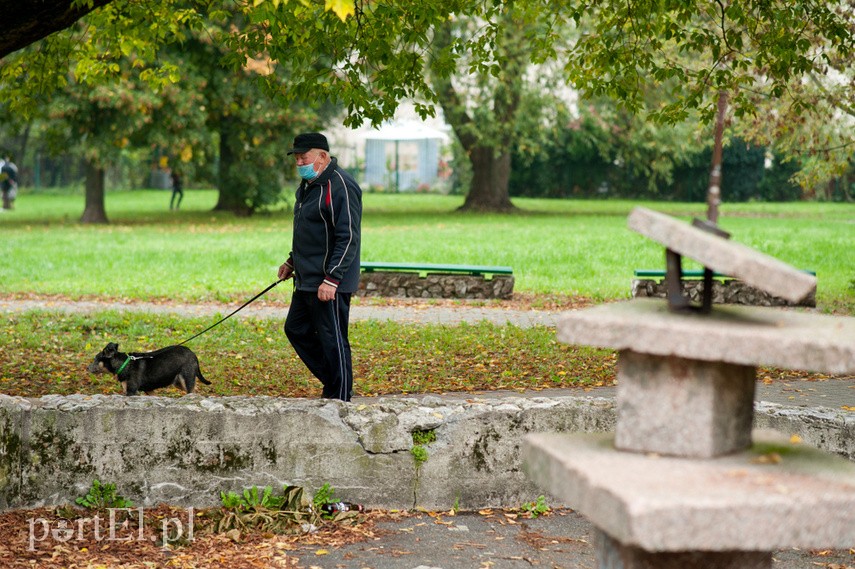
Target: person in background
(324,263)
(177,188)
(9,183)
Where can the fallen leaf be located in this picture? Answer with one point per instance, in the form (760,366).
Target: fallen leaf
(771,458)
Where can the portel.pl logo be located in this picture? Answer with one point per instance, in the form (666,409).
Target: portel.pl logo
(116,527)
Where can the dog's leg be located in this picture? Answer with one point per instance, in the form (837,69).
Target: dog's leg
(179,382)
(124,387)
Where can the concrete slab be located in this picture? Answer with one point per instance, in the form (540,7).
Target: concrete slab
(775,495)
(744,335)
(723,255)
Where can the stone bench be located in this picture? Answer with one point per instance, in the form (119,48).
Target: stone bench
(647,283)
(425,280)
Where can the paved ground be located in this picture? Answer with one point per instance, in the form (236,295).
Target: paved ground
(425,313)
(562,539)
(489,539)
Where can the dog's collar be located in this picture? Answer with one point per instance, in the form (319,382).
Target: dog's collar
(124,365)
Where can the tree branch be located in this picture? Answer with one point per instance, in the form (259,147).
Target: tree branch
(27,22)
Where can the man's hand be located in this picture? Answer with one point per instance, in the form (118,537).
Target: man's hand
(286,271)
(326,292)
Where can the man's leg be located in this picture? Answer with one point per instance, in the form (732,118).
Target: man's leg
(333,335)
(301,329)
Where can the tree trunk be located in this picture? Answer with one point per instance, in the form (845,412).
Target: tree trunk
(230,197)
(714,191)
(491,171)
(94,212)
(490,155)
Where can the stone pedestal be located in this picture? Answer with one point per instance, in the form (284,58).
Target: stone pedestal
(724,291)
(696,489)
(683,407)
(414,285)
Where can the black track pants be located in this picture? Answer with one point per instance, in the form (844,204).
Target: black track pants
(318,332)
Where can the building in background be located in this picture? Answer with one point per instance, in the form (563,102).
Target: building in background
(403,155)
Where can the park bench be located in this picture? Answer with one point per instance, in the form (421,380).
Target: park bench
(726,289)
(429,280)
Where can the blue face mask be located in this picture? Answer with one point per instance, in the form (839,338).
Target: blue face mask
(307,171)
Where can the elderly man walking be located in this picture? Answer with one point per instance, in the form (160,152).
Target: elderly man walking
(324,263)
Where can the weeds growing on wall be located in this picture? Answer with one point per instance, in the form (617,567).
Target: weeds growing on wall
(102,496)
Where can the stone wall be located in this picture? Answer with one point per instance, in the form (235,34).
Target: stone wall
(411,285)
(831,430)
(186,451)
(725,291)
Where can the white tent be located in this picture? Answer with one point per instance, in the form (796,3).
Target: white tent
(403,155)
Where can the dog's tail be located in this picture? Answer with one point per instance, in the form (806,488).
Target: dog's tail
(202,378)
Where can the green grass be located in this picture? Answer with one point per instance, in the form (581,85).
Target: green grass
(252,357)
(557,248)
(570,247)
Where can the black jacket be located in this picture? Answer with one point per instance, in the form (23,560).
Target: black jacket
(327,219)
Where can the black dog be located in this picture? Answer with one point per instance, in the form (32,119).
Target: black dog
(147,371)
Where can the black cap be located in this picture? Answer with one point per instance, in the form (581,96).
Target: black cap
(308,140)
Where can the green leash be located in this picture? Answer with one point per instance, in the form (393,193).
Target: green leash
(124,365)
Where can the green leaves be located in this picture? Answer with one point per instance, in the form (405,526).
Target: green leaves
(421,439)
(102,497)
(536,508)
(262,510)
(252,499)
(746,44)
(325,495)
